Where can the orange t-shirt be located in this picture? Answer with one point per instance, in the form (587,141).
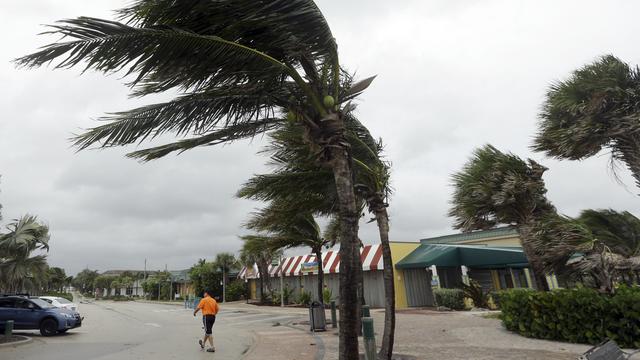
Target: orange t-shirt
(208,305)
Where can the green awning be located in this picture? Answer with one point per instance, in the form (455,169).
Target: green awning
(482,256)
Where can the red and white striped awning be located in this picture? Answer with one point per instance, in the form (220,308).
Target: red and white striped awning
(370,255)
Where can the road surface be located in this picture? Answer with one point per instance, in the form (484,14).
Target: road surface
(136,330)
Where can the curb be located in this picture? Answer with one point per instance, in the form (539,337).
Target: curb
(26,340)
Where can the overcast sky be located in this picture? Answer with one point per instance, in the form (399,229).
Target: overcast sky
(452,76)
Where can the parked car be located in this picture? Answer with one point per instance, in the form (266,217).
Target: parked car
(60,302)
(30,313)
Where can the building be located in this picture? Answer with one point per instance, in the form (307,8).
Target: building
(494,258)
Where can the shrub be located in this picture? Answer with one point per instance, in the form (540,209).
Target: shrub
(575,315)
(287,294)
(304,298)
(451,298)
(327,295)
(236,290)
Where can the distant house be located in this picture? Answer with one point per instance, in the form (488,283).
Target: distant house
(134,290)
(182,285)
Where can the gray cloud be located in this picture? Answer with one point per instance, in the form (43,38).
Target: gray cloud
(452,76)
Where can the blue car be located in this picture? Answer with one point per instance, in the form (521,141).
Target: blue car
(32,313)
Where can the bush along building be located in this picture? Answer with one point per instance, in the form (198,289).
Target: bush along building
(493,258)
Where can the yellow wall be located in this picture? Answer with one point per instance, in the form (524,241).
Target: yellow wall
(398,251)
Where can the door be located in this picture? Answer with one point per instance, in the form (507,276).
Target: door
(6,311)
(27,314)
(418,285)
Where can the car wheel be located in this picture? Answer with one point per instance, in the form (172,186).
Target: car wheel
(48,327)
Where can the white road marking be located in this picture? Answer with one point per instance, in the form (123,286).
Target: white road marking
(153,324)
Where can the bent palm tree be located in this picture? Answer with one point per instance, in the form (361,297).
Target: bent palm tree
(603,245)
(596,108)
(242,65)
(496,188)
(288,228)
(19,270)
(299,182)
(256,249)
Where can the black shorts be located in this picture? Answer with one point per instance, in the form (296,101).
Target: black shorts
(208,321)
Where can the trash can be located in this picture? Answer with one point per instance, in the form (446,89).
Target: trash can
(317,319)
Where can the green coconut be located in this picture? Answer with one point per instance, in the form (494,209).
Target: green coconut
(328,101)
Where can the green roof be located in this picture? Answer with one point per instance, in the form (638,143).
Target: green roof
(474,235)
(482,256)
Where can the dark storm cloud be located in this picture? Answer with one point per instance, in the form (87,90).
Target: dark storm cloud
(452,75)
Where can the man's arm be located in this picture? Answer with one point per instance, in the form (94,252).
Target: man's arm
(196,311)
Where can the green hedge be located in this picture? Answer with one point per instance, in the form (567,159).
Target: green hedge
(451,298)
(574,315)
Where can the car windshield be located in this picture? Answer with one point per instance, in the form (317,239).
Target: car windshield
(63,301)
(43,304)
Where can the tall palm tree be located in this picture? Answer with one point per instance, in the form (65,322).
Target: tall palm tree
(596,108)
(289,228)
(225,262)
(19,269)
(242,66)
(302,184)
(496,188)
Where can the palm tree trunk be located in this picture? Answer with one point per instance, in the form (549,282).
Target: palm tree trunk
(318,253)
(386,350)
(348,327)
(525,231)
(361,299)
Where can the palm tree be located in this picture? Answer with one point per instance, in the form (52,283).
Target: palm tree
(600,245)
(595,109)
(256,249)
(289,228)
(496,188)
(299,182)
(242,66)
(225,262)
(19,270)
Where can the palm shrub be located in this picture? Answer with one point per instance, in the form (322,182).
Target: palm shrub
(596,108)
(243,68)
(304,298)
(496,188)
(474,291)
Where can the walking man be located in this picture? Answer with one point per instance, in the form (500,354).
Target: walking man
(209,308)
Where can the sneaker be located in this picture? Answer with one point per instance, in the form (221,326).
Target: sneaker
(201,344)
(212,349)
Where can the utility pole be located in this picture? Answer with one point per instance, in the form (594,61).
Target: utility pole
(224,285)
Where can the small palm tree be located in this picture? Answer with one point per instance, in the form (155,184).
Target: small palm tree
(596,108)
(243,67)
(225,262)
(496,188)
(19,269)
(256,249)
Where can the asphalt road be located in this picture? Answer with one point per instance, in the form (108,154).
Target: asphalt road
(134,330)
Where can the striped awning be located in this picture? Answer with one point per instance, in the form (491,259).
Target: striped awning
(370,255)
